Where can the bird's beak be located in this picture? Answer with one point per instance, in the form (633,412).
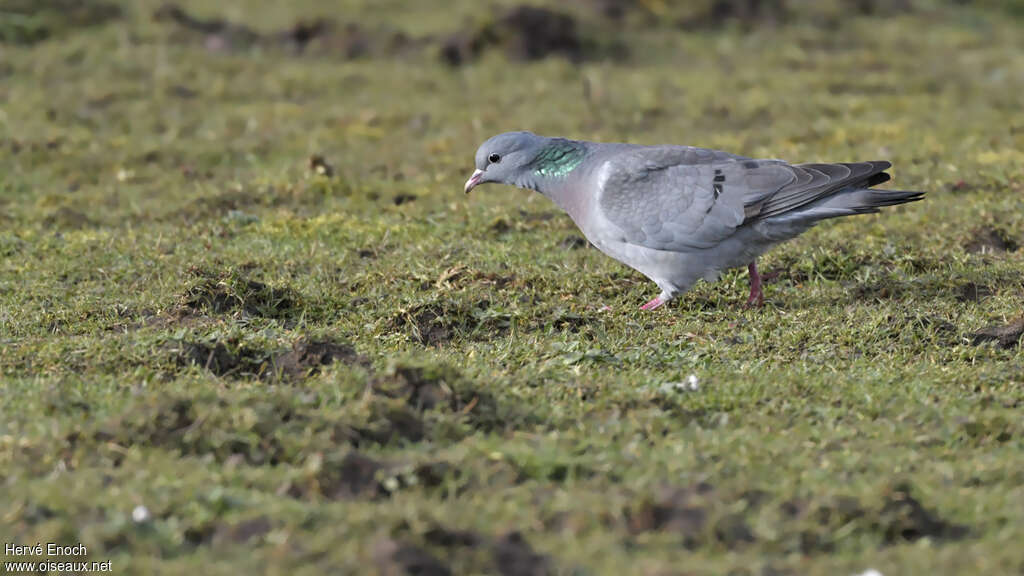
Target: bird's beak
(475,179)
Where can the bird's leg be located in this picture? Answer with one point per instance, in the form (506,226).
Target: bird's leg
(756,295)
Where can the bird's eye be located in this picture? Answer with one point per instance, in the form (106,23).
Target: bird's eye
(494,158)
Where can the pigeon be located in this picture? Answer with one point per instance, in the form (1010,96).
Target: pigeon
(679,214)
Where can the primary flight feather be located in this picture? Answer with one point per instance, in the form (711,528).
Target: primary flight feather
(678,214)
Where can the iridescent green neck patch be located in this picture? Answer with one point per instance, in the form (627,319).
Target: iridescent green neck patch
(558,159)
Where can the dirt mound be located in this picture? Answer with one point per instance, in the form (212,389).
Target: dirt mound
(205,425)
(689,512)
(232,293)
(31,21)
(352,474)
(439,387)
(973,292)
(526,33)
(701,515)
(397,558)
(322,36)
(513,556)
(904,518)
(437,322)
(990,240)
(307,357)
(255,429)
(228,358)
(217,357)
(1007,335)
(66,218)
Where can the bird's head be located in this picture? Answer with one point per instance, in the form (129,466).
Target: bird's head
(505,158)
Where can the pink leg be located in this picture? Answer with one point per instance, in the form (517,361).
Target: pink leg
(756,295)
(656,303)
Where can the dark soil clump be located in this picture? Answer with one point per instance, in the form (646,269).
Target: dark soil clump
(244,531)
(449,538)
(680,510)
(31,21)
(227,359)
(438,322)
(973,292)
(438,387)
(320,36)
(513,556)
(526,33)
(216,357)
(991,240)
(308,357)
(573,242)
(231,293)
(65,218)
(904,518)
(354,476)
(395,558)
(532,33)
(1007,335)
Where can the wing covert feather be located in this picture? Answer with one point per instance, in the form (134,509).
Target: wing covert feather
(678,198)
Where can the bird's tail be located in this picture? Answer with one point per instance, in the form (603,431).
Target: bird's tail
(850,201)
(859,198)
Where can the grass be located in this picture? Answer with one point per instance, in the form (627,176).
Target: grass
(279,370)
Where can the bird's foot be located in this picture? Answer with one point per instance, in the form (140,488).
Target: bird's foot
(756,299)
(656,303)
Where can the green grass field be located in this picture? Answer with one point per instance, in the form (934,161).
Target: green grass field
(218,356)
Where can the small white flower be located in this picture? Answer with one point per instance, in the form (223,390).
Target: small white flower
(870,572)
(692,383)
(140,514)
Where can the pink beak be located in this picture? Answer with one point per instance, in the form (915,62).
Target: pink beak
(475,179)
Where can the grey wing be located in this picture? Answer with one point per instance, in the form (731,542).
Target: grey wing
(675,198)
(813,182)
(678,198)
